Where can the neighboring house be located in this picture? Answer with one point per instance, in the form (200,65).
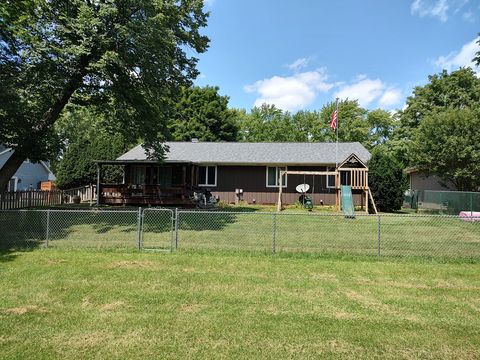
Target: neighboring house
(236,171)
(419,181)
(29,175)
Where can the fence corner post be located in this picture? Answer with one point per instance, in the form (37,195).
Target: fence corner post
(47,231)
(274,233)
(139,228)
(378,234)
(176,228)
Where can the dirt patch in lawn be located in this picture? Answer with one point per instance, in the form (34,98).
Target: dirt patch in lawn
(113,306)
(133,264)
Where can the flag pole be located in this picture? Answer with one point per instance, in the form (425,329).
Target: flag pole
(336,147)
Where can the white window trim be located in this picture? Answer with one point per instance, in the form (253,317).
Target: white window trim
(206,175)
(276,176)
(329,186)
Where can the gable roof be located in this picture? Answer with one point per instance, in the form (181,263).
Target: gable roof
(254,153)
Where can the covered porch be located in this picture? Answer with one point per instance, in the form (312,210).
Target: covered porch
(149,183)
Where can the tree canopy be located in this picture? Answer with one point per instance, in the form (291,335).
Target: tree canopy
(447,143)
(128,57)
(202,113)
(458,89)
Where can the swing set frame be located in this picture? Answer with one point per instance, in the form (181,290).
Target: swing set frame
(353,168)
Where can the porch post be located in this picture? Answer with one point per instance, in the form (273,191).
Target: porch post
(98,184)
(279,205)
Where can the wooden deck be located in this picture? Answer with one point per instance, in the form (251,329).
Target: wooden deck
(144,195)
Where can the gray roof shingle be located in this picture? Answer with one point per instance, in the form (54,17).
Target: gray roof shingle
(255,153)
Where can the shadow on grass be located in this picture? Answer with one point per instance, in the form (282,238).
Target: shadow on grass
(7,255)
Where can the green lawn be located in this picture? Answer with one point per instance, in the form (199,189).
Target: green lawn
(400,235)
(79,304)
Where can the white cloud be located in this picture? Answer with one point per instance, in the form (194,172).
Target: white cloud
(430,8)
(468,16)
(299,64)
(366,91)
(460,58)
(291,92)
(390,97)
(440,9)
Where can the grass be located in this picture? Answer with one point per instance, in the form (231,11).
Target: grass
(59,304)
(400,235)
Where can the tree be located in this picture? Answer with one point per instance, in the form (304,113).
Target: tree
(476,59)
(458,89)
(352,122)
(382,125)
(447,144)
(203,114)
(128,57)
(77,167)
(387,180)
(268,123)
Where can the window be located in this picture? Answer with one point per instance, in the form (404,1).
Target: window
(207,176)
(330,181)
(273,176)
(138,175)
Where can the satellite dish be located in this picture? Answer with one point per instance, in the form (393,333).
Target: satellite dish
(302,188)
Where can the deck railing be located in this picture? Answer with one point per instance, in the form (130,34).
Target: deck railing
(30,198)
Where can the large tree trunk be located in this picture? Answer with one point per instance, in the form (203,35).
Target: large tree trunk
(9,169)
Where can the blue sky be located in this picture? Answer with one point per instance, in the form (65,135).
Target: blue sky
(301,54)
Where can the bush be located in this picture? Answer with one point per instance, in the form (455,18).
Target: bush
(387,181)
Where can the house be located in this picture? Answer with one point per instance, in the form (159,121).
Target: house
(419,181)
(29,175)
(238,171)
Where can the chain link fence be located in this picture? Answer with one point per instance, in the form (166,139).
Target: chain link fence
(440,236)
(442,202)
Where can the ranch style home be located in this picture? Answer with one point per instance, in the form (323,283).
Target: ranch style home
(235,172)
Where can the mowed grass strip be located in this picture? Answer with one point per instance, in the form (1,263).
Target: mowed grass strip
(59,304)
(413,236)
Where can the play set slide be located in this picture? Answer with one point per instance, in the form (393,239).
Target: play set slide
(347,201)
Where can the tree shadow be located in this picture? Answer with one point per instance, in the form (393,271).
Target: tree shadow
(7,255)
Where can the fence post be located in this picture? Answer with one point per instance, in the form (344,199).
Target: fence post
(139,228)
(176,228)
(378,235)
(274,230)
(47,232)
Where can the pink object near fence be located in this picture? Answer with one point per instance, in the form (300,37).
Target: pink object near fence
(469,215)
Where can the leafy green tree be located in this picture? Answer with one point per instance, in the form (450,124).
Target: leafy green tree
(387,180)
(258,124)
(382,125)
(203,114)
(77,166)
(458,89)
(85,137)
(447,143)
(127,57)
(352,122)
(477,56)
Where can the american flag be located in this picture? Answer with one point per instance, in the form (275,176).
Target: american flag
(333,122)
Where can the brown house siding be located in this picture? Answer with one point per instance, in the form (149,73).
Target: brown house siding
(252,179)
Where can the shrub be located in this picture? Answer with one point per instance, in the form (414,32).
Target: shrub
(387,181)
